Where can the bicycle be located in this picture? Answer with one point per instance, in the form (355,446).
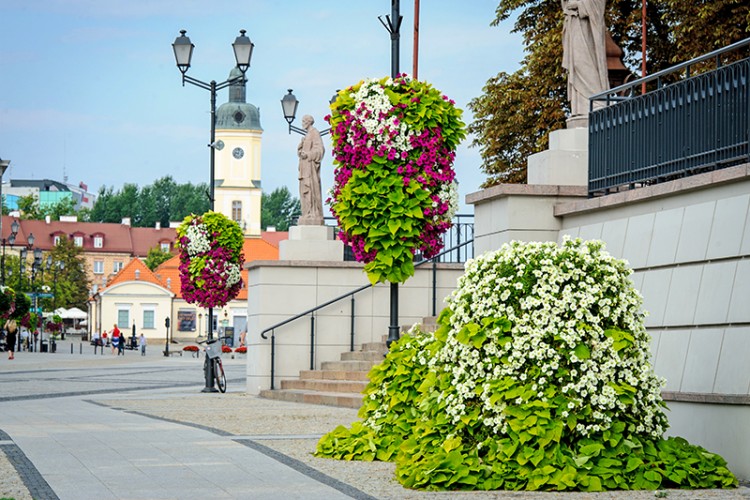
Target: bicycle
(213,351)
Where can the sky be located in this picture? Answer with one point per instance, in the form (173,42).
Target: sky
(89,89)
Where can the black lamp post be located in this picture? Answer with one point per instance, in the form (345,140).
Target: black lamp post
(393,26)
(183,53)
(35,266)
(11,240)
(3,167)
(166,340)
(289,105)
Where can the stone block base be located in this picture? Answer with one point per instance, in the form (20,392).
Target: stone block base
(311,243)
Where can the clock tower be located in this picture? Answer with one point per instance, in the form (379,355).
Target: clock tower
(237,191)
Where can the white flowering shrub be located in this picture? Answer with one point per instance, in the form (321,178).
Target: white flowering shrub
(538,377)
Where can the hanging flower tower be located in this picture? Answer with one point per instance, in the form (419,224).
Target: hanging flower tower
(394,193)
(211,259)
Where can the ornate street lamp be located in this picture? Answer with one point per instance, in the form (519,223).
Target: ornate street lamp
(35,266)
(183,53)
(11,240)
(289,104)
(3,167)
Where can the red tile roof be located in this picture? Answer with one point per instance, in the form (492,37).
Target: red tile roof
(118,238)
(274,237)
(134,268)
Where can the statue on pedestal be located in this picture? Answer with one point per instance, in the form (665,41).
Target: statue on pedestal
(310,152)
(584,54)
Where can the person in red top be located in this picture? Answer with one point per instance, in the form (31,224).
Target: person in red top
(115,338)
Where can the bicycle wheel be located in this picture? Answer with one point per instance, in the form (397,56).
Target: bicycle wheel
(221,379)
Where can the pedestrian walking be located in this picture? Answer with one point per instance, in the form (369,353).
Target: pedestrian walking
(121,344)
(10,338)
(115,338)
(24,339)
(142,343)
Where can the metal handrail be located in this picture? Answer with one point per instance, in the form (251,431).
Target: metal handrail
(355,291)
(351,294)
(608,94)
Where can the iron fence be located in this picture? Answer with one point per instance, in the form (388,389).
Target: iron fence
(699,123)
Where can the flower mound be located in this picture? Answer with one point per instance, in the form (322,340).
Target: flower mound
(537,378)
(210,259)
(394,192)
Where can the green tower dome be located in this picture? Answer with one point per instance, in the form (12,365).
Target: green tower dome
(237,114)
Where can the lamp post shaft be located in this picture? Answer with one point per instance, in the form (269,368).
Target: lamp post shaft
(243,50)
(2,259)
(393,327)
(395,35)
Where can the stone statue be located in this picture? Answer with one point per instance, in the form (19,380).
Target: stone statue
(584,53)
(310,152)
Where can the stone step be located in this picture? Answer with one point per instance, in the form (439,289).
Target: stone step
(375,356)
(320,385)
(351,366)
(334,375)
(380,347)
(316,398)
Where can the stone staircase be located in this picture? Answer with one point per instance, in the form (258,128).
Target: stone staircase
(337,383)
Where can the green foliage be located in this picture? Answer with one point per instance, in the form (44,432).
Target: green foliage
(163,201)
(30,208)
(71,285)
(156,257)
(458,410)
(278,208)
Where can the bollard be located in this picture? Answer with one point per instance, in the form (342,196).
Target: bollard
(80,348)
(71,348)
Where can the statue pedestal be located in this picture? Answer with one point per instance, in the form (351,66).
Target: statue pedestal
(311,243)
(565,163)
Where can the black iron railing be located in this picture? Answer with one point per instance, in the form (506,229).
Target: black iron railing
(350,295)
(461,230)
(696,124)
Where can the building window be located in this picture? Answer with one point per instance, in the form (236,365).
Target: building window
(117,266)
(56,240)
(98,242)
(98,267)
(123,318)
(237,211)
(78,241)
(165,247)
(148,318)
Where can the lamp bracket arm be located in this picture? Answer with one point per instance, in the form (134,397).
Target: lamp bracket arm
(294,128)
(231,81)
(196,82)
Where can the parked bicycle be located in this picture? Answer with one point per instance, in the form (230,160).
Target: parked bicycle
(213,350)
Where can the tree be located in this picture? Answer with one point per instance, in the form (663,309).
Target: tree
(278,208)
(30,208)
(161,202)
(156,257)
(513,117)
(72,282)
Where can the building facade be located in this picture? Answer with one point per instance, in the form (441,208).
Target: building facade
(237,186)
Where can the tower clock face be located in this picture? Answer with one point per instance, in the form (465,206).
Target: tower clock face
(238,153)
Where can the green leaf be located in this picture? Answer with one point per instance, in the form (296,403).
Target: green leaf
(582,351)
